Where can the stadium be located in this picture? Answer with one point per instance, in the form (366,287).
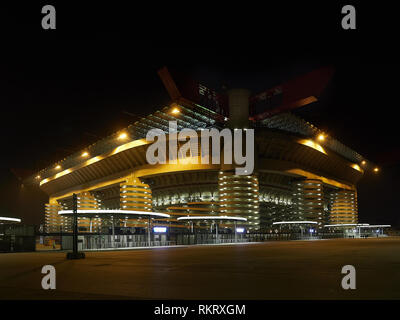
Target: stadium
(303,179)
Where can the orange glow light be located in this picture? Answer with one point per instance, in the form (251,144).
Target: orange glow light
(122,136)
(175,111)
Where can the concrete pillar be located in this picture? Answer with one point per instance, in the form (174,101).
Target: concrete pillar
(343,206)
(309,201)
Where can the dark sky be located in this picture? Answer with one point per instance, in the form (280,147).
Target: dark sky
(62,90)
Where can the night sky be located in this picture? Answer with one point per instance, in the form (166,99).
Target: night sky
(65,89)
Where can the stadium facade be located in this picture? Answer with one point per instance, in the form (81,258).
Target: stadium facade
(300,174)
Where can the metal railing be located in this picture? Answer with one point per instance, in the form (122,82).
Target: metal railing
(104,242)
(94,244)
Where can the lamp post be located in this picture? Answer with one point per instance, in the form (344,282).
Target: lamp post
(148,232)
(75,235)
(235,231)
(75,254)
(112,232)
(216,231)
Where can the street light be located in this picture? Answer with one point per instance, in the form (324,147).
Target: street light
(75,254)
(85,154)
(58,167)
(321,137)
(376,170)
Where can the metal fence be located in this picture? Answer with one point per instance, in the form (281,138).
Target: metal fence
(17,238)
(95,242)
(207,238)
(12,243)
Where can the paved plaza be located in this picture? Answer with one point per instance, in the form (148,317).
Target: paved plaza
(269,270)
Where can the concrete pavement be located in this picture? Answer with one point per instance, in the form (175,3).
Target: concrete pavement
(270,270)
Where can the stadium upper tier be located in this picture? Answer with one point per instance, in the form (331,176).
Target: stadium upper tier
(194,118)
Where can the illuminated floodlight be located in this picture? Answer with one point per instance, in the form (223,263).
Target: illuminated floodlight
(376,170)
(122,136)
(38,177)
(240,230)
(85,154)
(321,137)
(58,167)
(363,162)
(159,229)
(175,111)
